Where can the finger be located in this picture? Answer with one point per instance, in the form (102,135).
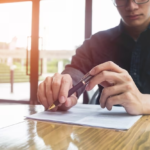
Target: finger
(114,100)
(56,83)
(106,84)
(125,99)
(48,91)
(111,91)
(105,76)
(42,96)
(109,66)
(54,109)
(66,84)
(71,101)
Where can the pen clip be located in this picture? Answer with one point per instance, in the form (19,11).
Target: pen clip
(85,76)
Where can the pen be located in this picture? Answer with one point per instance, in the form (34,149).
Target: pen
(86,78)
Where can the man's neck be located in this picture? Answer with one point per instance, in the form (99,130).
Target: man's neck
(135,32)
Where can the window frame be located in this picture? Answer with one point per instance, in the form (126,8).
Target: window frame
(34,57)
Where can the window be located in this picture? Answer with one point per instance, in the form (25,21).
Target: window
(15,27)
(104,16)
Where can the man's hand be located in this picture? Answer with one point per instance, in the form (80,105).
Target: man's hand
(56,87)
(119,88)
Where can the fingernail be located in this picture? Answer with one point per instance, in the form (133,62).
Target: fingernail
(68,102)
(92,71)
(102,106)
(62,99)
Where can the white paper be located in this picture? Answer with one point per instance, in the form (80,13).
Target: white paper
(90,115)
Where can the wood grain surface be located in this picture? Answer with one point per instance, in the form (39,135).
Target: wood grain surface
(35,135)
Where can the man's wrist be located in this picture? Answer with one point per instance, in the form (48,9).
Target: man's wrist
(145,104)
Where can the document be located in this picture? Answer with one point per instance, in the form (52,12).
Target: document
(90,115)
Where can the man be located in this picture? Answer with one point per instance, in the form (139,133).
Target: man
(119,60)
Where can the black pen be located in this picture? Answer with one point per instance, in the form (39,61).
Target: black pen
(83,82)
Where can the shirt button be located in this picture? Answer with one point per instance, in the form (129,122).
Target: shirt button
(135,74)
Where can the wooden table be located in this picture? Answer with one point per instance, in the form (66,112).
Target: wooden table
(19,134)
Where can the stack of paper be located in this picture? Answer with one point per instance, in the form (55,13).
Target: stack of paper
(90,115)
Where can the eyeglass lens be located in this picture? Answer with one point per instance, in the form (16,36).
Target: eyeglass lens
(124,2)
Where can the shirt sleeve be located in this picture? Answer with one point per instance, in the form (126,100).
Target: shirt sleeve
(92,52)
(82,62)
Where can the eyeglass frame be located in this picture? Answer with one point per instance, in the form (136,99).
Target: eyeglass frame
(127,1)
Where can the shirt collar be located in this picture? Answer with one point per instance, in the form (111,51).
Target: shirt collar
(120,29)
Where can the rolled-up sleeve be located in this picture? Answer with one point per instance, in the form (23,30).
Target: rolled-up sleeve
(76,76)
(91,53)
(81,63)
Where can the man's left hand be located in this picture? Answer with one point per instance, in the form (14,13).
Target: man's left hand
(119,88)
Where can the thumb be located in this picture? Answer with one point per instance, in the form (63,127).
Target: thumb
(70,102)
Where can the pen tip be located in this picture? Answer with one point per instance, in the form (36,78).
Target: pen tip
(53,106)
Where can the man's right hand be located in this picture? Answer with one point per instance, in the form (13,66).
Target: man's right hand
(56,87)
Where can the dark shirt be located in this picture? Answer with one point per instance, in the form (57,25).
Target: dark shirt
(117,46)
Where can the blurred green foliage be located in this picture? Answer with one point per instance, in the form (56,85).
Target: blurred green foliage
(52,66)
(20,70)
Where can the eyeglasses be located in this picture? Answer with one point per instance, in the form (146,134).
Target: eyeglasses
(120,3)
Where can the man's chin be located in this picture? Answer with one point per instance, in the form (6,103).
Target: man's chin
(134,23)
